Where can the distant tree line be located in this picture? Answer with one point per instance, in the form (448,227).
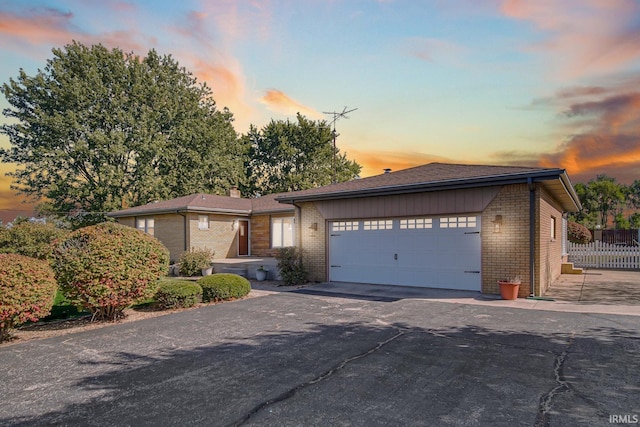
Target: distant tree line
(608,204)
(99,130)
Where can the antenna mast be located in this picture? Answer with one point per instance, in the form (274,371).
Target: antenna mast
(336,117)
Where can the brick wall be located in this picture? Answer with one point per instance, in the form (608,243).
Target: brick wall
(312,237)
(549,263)
(169,229)
(220,237)
(506,253)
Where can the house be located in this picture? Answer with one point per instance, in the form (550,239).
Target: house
(231,226)
(438,225)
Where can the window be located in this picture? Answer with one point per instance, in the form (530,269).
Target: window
(553,228)
(203,222)
(412,223)
(458,222)
(378,225)
(146,224)
(345,226)
(282,232)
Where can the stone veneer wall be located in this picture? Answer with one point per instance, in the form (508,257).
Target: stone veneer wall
(261,235)
(506,253)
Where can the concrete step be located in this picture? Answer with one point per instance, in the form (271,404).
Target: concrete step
(569,268)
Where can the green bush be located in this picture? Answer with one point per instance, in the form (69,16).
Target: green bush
(192,262)
(223,286)
(32,239)
(178,294)
(578,233)
(107,267)
(27,290)
(291,266)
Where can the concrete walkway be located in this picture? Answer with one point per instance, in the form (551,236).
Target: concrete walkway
(595,291)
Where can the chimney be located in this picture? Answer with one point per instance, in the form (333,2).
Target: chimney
(387,170)
(234,192)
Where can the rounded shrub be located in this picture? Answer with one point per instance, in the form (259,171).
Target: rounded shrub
(178,294)
(578,233)
(107,267)
(32,239)
(193,261)
(27,291)
(223,286)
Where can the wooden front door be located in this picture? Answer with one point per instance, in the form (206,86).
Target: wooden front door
(243,237)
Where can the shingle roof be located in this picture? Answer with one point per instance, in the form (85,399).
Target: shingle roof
(212,203)
(433,176)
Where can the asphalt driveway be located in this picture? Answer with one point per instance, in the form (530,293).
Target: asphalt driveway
(298,359)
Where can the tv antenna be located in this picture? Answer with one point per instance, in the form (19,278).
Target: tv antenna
(336,116)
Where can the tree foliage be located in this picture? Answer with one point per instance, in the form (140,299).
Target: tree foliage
(606,203)
(100,129)
(291,156)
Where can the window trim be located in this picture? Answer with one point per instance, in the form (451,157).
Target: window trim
(282,219)
(147,221)
(200,227)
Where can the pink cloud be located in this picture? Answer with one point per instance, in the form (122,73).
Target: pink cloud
(603,125)
(48,26)
(583,37)
(280,102)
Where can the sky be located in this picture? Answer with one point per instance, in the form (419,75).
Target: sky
(544,83)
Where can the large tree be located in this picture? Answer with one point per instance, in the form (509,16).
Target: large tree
(290,156)
(601,199)
(100,129)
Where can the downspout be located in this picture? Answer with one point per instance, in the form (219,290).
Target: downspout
(298,224)
(184,227)
(532,236)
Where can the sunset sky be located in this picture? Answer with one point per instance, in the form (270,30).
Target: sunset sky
(537,82)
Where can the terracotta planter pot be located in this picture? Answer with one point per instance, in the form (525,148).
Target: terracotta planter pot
(508,290)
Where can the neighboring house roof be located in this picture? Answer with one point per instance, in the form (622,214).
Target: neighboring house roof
(443,176)
(208,203)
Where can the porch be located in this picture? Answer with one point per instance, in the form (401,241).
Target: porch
(247,266)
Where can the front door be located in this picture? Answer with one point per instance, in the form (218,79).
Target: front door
(243,237)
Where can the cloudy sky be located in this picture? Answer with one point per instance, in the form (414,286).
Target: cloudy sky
(528,82)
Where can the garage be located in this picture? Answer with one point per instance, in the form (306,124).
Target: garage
(432,251)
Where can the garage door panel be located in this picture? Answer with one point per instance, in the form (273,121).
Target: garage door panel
(413,252)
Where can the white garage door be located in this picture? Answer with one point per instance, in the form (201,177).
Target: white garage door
(435,252)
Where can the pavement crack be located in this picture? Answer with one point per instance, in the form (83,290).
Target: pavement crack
(291,392)
(543,417)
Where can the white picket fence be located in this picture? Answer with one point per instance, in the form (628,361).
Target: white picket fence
(598,254)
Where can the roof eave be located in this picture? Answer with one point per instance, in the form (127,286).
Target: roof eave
(428,186)
(183,209)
